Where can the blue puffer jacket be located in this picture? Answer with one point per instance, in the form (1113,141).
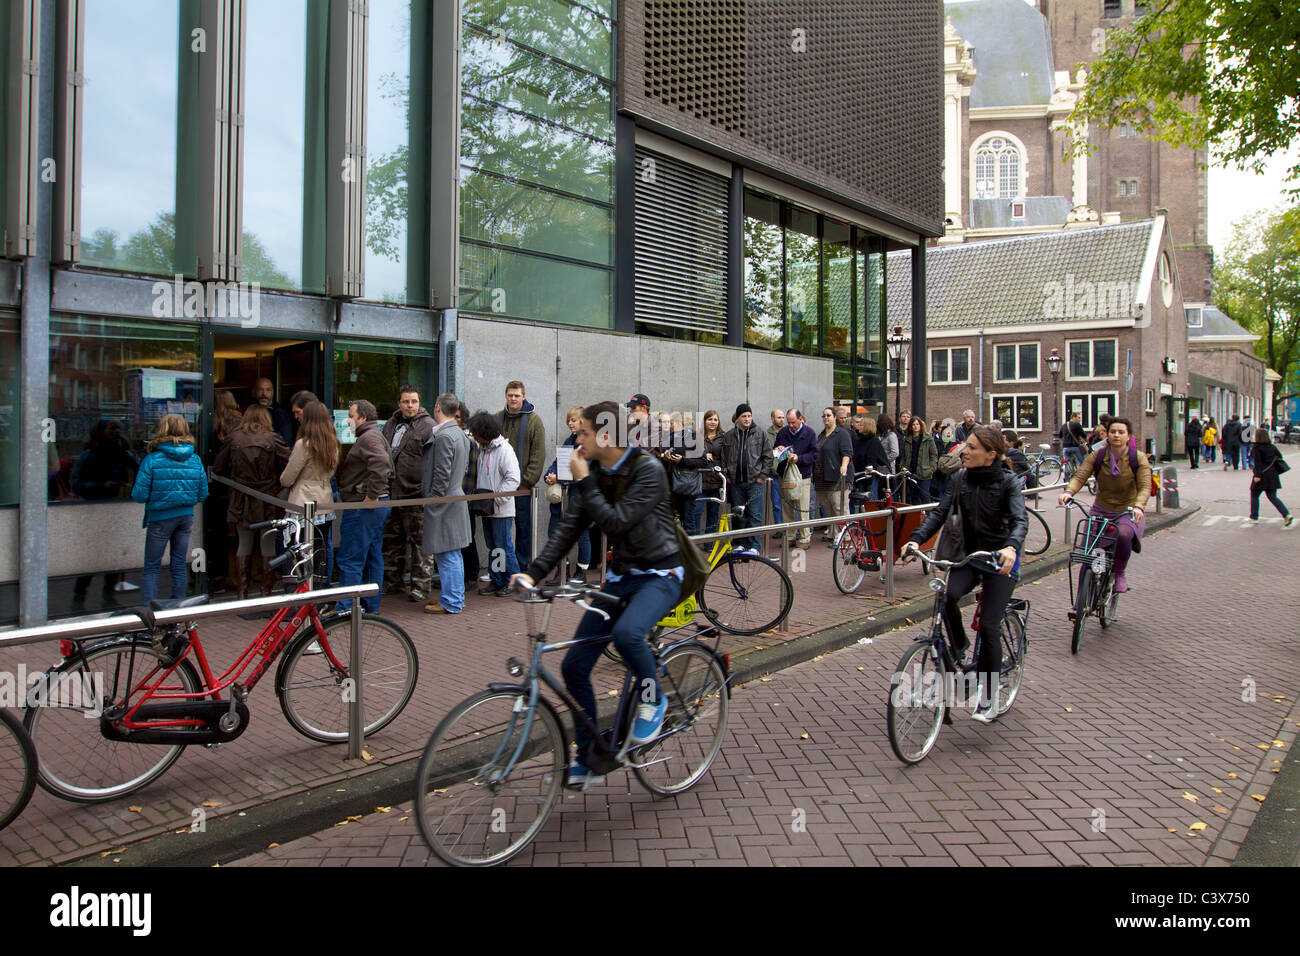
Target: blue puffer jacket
(171,481)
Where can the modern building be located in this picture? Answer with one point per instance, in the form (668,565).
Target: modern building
(692,200)
(1105,299)
(1227,377)
(1013,72)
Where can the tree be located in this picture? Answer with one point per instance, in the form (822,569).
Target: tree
(1194,72)
(1257,284)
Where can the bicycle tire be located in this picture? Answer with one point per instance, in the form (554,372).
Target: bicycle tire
(1039,536)
(734,595)
(18,768)
(464,758)
(1109,610)
(697,697)
(313,696)
(1048,471)
(918,706)
(1082,608)
(76,749)
(1014,646)
(846,554)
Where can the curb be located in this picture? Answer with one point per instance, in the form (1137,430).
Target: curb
(303,812)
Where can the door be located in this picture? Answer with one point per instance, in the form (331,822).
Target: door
(298,367)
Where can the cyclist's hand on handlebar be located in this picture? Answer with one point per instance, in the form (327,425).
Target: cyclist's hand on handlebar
(911,551)
(1064,499)
(517,579)
(1006,560)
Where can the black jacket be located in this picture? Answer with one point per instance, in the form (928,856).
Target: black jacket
(1265,467)
(992,507)
(1232,434)
(1193,432)
(755,445)
(631,506)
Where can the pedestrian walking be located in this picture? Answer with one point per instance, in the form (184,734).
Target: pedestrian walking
(364,476)
(407,433)
(310,471)
(1247,441)
(748,461)
(834,456)
(498,470)
(524,430)
(254,455)
(920,457)
(798,442)
(1074,439)
(1209,440)
(1267,479)
(1192,435)
(171,481)
(1232,444)
(567,489)
(445,526)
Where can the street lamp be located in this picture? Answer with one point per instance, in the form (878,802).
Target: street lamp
(897,342)
(1054,361)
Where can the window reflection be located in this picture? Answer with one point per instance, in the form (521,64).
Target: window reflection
(9,408)
(498,282)
(364,370)
(763,272)
(564,30)
(802,251)
(512,214)
(837,292)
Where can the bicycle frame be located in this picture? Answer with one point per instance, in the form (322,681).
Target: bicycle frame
(1096,551)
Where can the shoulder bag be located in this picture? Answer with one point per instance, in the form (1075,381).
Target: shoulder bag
(952,538)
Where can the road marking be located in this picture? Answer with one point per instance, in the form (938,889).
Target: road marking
(1237,519)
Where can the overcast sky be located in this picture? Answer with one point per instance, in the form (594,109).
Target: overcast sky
(1235,194)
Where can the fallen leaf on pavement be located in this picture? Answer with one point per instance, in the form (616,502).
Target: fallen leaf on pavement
(272,846)
(365,755)
(1278,743)
(1191,796)
(803,737)
(1069,710)
(1232,775)
(1223,810)
(1198,825)
(1216,790)
(383,809)
(1258,797)
(861,668)
(1262,746)
(211,803)
(136,809)
(765,680)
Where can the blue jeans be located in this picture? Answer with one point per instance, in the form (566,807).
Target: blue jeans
(523,531)
(1256,491)
(157,536)
(584,543)
(451,572)
(924,494)
(775,486)
(1075,454)
(496,535)
(361,553)
(749,494)
(1231,456)
(706,515)
(650,597)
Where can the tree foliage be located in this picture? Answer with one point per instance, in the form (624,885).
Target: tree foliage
(1223,73)
(1257,284)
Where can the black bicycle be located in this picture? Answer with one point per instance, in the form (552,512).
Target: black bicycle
(17,768)
(1093,554)
(932,677)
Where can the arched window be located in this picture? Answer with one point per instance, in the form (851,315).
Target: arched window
(999,168)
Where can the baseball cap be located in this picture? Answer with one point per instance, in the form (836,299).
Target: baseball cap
(638,400)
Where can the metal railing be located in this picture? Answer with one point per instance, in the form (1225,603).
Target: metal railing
(119,623)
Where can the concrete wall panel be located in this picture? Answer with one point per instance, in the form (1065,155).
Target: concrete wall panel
(114,532)
(670,375)
(721,380)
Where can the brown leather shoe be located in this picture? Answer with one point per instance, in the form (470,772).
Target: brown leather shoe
(804,546)
(433,607)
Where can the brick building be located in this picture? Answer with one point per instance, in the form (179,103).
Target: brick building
(1227,377)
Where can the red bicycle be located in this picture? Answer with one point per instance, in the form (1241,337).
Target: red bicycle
(860,544)
(152,693)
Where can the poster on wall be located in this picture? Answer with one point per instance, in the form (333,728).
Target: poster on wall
(1027,413)
(1004,409)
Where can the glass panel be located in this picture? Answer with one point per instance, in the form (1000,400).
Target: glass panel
(374,371)
(566,32)
(837,293)
(522,148)
(396,175)
(494,210)
(4,126)
(128,183)
(1029,361)
(763,300)
(497,72)
(1103,358)
(110,382)
(494,281)
(939,365)
(960,360)
(1027,412)
(1079,359)
(10,405)
(985,167)
(1009,173)
(871,297)
(801,253)
(1006,362)
(843,388)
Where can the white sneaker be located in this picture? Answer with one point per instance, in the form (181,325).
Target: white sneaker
(485,577)
(1252,521)
(985,711)
(125,586)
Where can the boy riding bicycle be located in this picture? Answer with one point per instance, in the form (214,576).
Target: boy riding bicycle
(624,492)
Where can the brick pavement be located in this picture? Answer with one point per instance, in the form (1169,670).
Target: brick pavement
(1097,764)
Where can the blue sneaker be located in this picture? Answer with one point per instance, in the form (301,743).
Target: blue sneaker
(649,718)
(580,777)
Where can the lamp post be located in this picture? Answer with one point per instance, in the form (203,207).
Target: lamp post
(1054,366)
(897,342)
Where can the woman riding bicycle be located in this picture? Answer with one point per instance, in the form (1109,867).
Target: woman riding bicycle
(993,519)
(624,492)
(1123,482)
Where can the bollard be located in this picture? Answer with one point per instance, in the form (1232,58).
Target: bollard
(309,549)
(889,556)
(1169,487)
(785,566)
(355,724)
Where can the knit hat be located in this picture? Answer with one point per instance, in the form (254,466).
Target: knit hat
(740,410)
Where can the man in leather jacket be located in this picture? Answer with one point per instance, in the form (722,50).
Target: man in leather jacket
(624,492)
(747,458)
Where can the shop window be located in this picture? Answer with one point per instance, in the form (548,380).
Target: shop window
(764,292)
(374,371)
(1020,412)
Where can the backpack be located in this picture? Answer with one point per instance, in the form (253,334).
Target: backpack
(949,461)
(1133,466)
(695,569)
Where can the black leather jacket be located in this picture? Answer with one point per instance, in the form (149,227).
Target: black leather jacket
(993,510)
(638,521)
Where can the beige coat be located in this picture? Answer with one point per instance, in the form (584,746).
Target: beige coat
(306,479)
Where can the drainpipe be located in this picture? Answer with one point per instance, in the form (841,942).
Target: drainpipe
(979,385)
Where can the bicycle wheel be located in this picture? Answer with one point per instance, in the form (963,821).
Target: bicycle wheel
(483,790)
(746,594)
(695,686)
(1014,646)
(17,768)
(916,703)
(1082,607)
(1039,536)
(77,762)
(312,692)
(1108,612)
(1048,471)
(845,566)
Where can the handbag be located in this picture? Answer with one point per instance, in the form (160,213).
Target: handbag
(554,494)
(694,564)
(687,482)
(952,539)
(1281,465)
(483,506)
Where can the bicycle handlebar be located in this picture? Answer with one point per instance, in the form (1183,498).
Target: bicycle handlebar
(949,565)
(1127,511)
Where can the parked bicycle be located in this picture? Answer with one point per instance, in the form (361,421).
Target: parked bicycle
(17,768)
(1051,469)
(1093,554)
(859,546)
(931,676)
(1038,536)
(153,692)
(494,768)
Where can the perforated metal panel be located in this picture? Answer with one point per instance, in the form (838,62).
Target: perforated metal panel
(845,95)
(681,245)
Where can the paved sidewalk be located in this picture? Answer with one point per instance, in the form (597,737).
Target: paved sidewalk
(1155,745)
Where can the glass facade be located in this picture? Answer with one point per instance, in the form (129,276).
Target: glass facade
(816,286)
(537,161)
(111,380)
(10,407)
(374,371)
